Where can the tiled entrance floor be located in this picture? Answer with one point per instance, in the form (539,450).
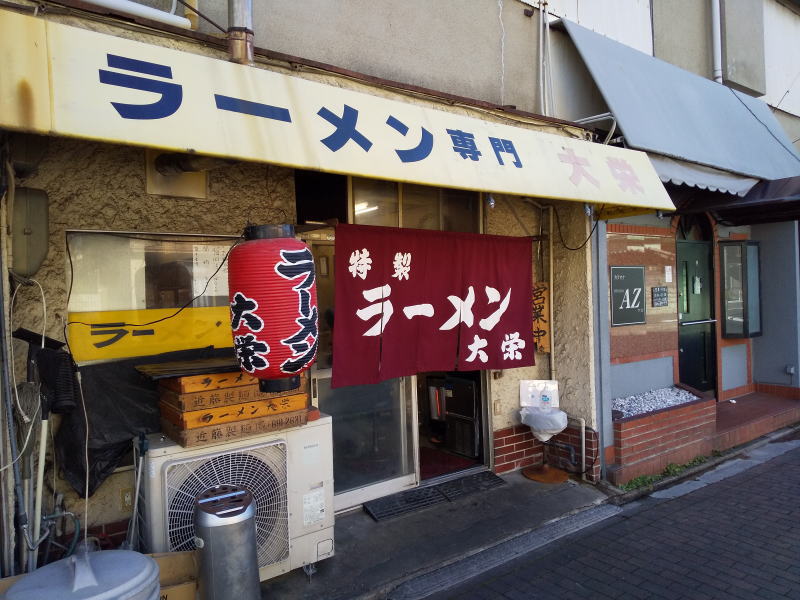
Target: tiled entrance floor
(752,416)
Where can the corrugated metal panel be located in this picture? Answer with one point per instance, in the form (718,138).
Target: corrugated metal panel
(664,109)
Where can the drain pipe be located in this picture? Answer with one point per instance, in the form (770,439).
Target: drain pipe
(240,31)
(540,62)
(550,260)
(191,14)
(716,40)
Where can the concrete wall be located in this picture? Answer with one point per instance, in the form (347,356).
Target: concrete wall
(625,21)
(102,187)
(780,303)
(682,34)
(782,24)
(790,124)
(734,366)
(632,378)
(483,50)
(575,95)
(743,46)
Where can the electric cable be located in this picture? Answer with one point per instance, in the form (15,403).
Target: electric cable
(789,89)
(86,460)
(777,139)
(25,417)
(25,443)
(561,235)
(202,16)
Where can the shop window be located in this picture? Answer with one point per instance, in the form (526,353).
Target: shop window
(421,207)
(120,271)
(741,289)
(460,211)
(415,206)
(126,289)
(375,202)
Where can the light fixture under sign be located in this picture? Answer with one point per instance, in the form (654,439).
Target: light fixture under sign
(363,207)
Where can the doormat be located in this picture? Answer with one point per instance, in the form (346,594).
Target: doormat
(404,502)
(414,500)
(480,482)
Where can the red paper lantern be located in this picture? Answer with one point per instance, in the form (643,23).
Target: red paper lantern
(273,296)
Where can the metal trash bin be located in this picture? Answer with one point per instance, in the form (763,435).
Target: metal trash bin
(225,535)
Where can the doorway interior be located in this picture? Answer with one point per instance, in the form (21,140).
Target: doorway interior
(450,422)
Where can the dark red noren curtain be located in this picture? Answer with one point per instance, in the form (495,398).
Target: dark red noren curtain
(410,301)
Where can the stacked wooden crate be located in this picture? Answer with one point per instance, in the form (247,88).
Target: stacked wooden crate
(219,407)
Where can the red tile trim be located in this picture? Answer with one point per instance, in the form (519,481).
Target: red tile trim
(640,357)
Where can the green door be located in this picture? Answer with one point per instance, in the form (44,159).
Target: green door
(696,334)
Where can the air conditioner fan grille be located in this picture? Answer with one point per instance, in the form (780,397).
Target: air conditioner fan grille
(262,470)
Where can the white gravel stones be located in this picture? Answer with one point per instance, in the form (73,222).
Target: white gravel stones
(652,400)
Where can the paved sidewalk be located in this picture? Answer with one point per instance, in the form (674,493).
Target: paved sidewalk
(374,558)
(733,538)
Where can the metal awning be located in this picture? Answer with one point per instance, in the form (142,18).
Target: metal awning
(767,202)
(681,172)
(674,113)
(63,80)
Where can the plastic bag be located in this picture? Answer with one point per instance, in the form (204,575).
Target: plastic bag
(120,404)
(546,421)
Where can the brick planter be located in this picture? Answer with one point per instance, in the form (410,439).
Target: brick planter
(516,448)
(645,444)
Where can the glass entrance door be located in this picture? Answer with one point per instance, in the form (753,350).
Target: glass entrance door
(373,446)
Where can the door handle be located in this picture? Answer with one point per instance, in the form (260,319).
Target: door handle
(698,322)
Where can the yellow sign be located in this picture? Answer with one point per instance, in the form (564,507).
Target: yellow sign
(116,90)
(541,316)
(105,335)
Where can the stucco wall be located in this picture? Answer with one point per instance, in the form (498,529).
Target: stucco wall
(573,314)
(572,306)
(512,216)
(102,187)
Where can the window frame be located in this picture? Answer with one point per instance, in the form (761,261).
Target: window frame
(747,293)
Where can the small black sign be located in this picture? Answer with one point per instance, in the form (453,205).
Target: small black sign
(660,296)
(627,296)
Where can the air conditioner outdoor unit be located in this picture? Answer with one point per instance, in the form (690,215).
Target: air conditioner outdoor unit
(289,472)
